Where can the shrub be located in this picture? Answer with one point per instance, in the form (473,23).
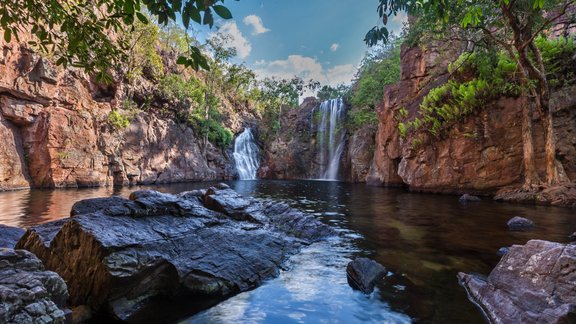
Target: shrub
(118,121)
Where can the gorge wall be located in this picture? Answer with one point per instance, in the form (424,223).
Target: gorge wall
(481,154)
(56,133)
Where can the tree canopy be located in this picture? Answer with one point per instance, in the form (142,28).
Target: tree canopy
(87,33)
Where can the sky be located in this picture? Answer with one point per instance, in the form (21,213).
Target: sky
(312,39)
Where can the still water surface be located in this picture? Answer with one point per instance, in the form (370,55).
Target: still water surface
(422,240)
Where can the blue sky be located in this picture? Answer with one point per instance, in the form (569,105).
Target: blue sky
(319,39)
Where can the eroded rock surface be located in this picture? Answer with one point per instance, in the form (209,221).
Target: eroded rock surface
(126,254)
(29,293)
(533,283)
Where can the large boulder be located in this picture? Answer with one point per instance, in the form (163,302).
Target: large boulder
(9,236)
(127,255)
(363,274)
(29,293)
(533,283)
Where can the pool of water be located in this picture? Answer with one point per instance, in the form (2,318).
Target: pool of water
(422,240)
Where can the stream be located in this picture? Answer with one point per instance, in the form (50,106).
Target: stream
(423,240)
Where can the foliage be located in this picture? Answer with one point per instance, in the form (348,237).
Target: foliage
(117,120)
(478,77)
(358,118)
(559,59)
(379,68)
(77,32)
(175,88)
(142,54)
(329,92)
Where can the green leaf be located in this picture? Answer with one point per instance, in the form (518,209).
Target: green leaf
(194,13)
(181,60)
(208,18)
(7,35)
(185,19)
(142,18)
(222,11)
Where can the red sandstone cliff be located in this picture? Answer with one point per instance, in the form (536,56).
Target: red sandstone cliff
(54,131)
(483,154)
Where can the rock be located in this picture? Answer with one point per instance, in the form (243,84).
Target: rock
(128,255)
(519,224)
(29,293)
(533,283)
(465,198)
(9,236)
(563,195)
(55,130)
(481,153)
(502,251)
(363,274)
(572,237)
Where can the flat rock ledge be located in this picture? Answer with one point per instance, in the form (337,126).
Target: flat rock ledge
(29,293)
(563,195)
(158,255)
(533,283)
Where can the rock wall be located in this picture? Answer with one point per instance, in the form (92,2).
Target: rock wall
(291,154)
(55,132)
(294,153)
(481,154)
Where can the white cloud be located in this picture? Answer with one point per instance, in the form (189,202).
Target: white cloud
(236,39)
(306,68)
(334,47)
(256,23)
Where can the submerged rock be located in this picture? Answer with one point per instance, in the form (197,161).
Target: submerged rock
(519,224)
(363,274)
(128,255)
(10,235)
(29,293)
(466,198)
(533,283)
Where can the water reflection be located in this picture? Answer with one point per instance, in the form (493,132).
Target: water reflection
(423,241)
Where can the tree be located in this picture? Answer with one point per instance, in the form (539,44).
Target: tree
(512,25)
(85,33)
(329,92)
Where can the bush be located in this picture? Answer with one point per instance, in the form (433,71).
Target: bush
(118,121)
(558,58)
(175,87)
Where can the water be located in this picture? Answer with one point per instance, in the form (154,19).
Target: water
(246,155)
(331,136)
(422,240)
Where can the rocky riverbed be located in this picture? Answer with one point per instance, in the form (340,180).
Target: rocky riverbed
(128,257)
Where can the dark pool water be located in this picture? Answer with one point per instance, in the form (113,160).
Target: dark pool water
(423,241)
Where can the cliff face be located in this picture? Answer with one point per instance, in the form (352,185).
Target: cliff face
(55,133)
(481,154)
(291,154)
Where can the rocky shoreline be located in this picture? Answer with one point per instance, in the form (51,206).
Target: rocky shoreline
(159,257)
(128,258)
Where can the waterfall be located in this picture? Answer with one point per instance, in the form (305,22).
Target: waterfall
(330,137)
(246,155)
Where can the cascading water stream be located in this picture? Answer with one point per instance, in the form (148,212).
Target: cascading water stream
(331,137)
(246,155)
